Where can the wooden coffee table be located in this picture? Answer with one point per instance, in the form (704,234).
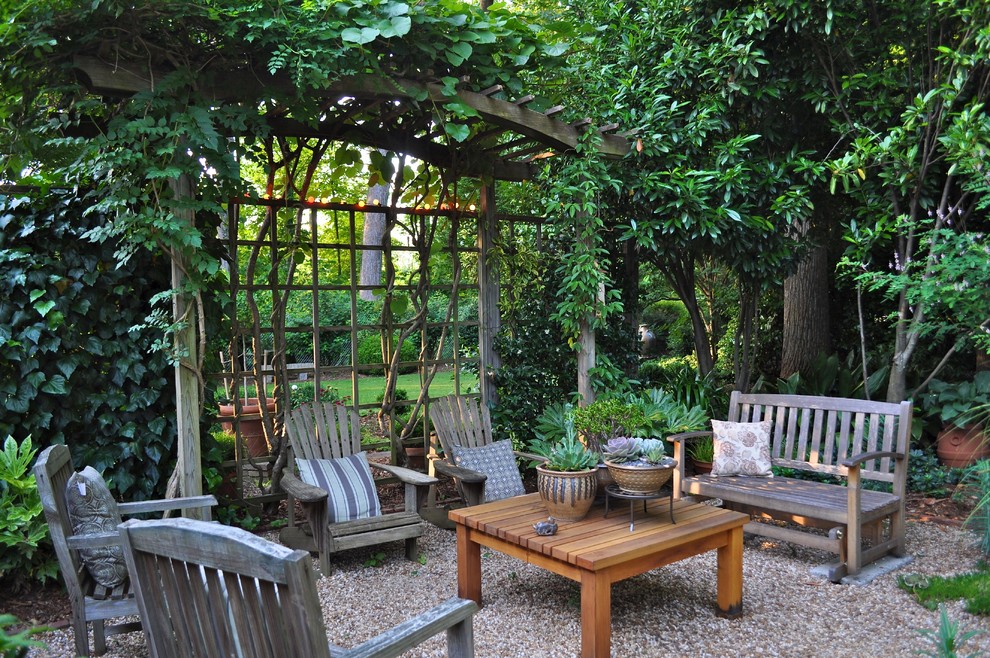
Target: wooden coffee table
(597,552)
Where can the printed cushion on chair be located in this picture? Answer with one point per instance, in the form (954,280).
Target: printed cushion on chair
(741,448)
(349,482)
(497,462)
(93,511)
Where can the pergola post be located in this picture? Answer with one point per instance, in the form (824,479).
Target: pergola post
(489,320)
(187,402)
(586,342)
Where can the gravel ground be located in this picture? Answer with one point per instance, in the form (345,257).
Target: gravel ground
(666,612)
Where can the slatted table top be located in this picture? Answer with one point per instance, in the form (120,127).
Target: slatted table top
(596,543)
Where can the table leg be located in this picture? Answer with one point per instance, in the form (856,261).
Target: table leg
(468,566)
(730,575)
(596,615)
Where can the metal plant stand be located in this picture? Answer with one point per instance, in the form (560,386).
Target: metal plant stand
(613,491)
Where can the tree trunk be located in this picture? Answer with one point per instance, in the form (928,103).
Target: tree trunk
(806,313)
(374,233)
(679,272)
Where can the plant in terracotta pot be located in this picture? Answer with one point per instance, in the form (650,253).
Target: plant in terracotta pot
(638,466)
(962,408)
(567,480)
(701,452)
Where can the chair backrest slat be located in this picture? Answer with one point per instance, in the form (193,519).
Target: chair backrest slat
(461,421)
(323,431)
(210,590)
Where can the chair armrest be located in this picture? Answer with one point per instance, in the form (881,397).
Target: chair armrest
(867,456)
(304,493)
(409,634)
(406,475)
(688,436)
(465,475)
(530,456)
(166,504)
(100,540)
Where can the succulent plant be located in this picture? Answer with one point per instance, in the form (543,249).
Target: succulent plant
(655,455)
(622,449)
(649,445)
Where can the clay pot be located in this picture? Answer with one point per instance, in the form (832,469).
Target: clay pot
(568,495)
(253,430)
(959,447)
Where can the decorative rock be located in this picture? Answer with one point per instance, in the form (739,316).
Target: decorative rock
(547,528)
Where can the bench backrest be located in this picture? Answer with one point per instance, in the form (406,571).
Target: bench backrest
(813,433)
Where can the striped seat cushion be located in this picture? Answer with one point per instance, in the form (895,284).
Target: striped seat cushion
(349,482)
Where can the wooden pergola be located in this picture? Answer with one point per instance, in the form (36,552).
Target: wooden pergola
(506,142)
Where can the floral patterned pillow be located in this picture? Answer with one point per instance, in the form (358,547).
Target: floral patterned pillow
(741,448)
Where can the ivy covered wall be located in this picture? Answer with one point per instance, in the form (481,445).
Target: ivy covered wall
(76,366)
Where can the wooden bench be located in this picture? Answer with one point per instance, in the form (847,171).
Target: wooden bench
(851,440)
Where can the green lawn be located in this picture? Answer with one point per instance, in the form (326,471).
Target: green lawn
(370,388)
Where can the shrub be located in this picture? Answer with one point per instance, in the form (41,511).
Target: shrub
(370,351)
(26,554)
(17,645)
(302,392)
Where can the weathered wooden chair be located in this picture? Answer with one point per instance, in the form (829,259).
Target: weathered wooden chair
(462,422)
(341,502)
(209,590)
(91,601)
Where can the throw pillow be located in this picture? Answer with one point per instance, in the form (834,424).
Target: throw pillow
(741,448)
(497,462)
(349,482)
(93,511)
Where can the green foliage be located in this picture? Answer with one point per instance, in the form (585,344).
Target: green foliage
(376,559)
(557,440)
(370,351)
(18,644)
(679,376)
(606,418)
(78,361)
(827,375)
(977,477)
(26,554)
(926,474)
(949,639)
(702,449)
(929,591)
(959,403)
(302,392)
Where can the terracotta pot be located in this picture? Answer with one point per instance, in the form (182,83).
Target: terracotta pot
(568,495)
(253,431)
(415,457)
(701,467)
(959,447)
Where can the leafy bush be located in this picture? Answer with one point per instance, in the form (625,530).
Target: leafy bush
(927,475)
(302,392)
(78,363)
(370,351)
(17,645)
(26,554)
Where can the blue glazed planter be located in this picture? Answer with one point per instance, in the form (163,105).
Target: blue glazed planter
(568,495)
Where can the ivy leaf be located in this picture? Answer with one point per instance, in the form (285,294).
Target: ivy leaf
(401,25)
(55,386)
(44,307)
(459,52)
(359,36)
(458,132)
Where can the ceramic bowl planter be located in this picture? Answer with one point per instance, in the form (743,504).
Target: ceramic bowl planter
(568,495)
(641,478)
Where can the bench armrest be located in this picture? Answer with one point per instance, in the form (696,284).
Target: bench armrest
(540,459)
(406,475)
(867,456)
(305,493)
(101,540)
(688,436)
(166,504)
(453,614)
(465,475)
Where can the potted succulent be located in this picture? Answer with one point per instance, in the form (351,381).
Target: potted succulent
(638,466)
(567,480)
(962,408)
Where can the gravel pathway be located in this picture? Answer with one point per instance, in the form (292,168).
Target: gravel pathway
(666,612)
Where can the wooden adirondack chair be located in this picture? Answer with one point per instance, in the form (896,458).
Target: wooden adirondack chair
(330,431)
(462,421)
(92,602)
(209,590)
